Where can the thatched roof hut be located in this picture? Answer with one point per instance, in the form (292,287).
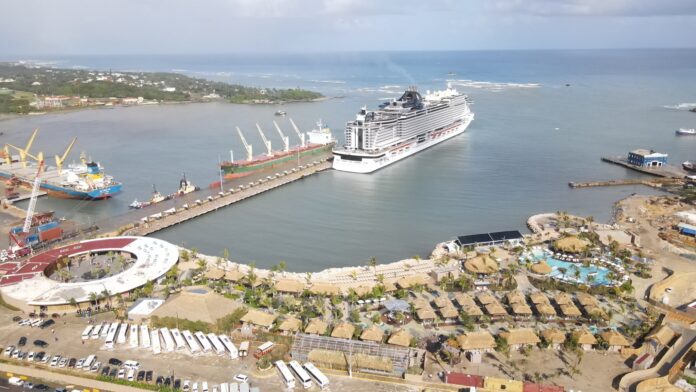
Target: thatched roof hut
(596,311)
(372,334)
(362,290)
(476,340)
(521,309)
(584,337)
(407,282)
(481,264)
(214,274)
(494,309)
(426,314)
(463,299)
(571,244)
(421,303)
(442,302)
(486,298)
(290,286)
(259,318)
(290,324)
(316,327)
(400,338)
(449,312)
(520,336)
(614,338)
(343,331)
(563,298)
(586,299)
(389,286)
(545,310)
(570,310)
(553,336)
(541,268)
(324,288)
(234,276)
(472,310)
(515,297)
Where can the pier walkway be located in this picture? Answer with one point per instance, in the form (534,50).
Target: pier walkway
(667,171)
(214,203)
(655,182)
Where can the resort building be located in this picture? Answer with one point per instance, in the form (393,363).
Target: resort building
(660,339)
(475,344)
(426,315)
(467,304)
(554,337)
(512,238)
(290,325)
(325,289)
(614,340)
(519,338)
(372,334)
(585,339)
(343,331)
(400,338)
(316,327)
(258,318)
(647,158)
(289,286)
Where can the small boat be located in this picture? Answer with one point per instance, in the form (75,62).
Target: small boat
(281,113)
(186,187)
(156,198)
(689,166)
(686,132)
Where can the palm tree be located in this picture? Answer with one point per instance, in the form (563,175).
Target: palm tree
(380,278)
(373,263)
(74,303)
(251,275)
(354,274)
(308,277)
(226,254)
(106,294)
(93,298)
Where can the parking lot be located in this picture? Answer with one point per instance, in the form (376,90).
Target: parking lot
(64,339)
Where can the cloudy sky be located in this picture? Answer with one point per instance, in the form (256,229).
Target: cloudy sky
(38,27)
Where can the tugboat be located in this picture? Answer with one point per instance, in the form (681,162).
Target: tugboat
(689,166)
(156,198)
(186,187)
(281,113)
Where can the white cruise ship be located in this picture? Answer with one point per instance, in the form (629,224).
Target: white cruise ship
(400,128)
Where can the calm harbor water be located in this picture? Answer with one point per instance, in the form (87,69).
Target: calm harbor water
(532,134)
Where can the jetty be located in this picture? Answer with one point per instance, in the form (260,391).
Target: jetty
(160,220)
(664,170)
(655,183)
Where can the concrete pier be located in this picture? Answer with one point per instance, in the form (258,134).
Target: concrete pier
(667,171)
(655,183)
(213,203)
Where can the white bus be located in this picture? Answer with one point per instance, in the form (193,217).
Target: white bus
(285,375)
(168,341)
(217,344)
(104,330)
(85,333)
(234,354)
(122,334)
(319,377)
(192,343)
(205,343)
(301,374)
(133,336)
(111,336)
(178,339)
(87,364)
(244,348)
(144,336)
(96,330)
(155,341)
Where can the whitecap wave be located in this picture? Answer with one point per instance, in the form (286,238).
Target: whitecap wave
(681,106)
(494,86)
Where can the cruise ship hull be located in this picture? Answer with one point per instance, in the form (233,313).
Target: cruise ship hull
(350,161)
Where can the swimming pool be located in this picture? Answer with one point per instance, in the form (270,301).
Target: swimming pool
(601,274)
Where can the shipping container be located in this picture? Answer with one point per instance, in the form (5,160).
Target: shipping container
(48,226)
(16,230)
(51,234)
(32,239)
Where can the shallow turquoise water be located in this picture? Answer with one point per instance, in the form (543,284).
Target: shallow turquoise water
(600,273)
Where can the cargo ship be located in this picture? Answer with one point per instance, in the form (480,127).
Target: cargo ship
(315,142)
(85,180)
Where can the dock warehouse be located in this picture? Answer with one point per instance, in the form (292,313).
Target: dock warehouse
(647,158)
(513,237)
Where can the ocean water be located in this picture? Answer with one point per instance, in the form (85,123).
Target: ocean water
(531,136)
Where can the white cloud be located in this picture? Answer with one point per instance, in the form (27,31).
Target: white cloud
(642,8)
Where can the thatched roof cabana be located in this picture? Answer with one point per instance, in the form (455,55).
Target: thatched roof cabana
(521,309)
(538,297)
(541,268)
(290,324)
(596,311)
(553,336)
(442,302)
(343,331)
(571,244)
(583,336)
(481,264)
(372,334)
(570,310)
(234,275)
(449,312)
(316,327)
(362,290)
(495,309)
(476,340)
(520,336)
(545,310)
(463,299)
(259,318)
(324,288)
(407,282)
(214,274)
(389,286)
(426,314)
(421,303)
(472,310)
(486,298)
(586,299)
(515,297)
(290,286)
(614,338)
(400,338)
(563,298)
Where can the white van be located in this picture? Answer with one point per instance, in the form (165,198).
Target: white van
(131,375)
(133,365)
(204,386)
(15,381)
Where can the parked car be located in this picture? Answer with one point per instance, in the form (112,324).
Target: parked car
(16,319)
(241,378)
(113,372)
(63,362)
(46,324)
(115,362)
(148,376)
(28,385)
(9,350)
(41,387)
(31,356)
(159,380)
(121,373)
(22,341)
(177,384)
(105,371)
(40,343)
(72,362)
(140,376)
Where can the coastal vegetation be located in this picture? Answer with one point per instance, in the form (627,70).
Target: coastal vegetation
(22,87)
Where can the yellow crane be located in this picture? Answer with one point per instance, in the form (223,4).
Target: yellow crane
(61,158)
(23,152)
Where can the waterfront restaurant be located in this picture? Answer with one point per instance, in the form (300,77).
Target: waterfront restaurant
(647,158)
(512,237)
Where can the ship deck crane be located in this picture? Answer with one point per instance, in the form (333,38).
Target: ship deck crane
(299,134)
(24,152)
(247,146)
(286,140)
(267,142)
(61,158)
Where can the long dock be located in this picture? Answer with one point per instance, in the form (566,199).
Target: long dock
(655,183)
(214,203)
(667,171)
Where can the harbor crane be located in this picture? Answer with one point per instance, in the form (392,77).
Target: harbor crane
(61,158)
(286,140)
(23,152)
(247,146)
(299,134)
(32,199)
(267,142)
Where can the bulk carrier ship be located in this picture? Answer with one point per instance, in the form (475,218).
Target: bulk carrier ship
(401,128)
(85,180)
(315,142)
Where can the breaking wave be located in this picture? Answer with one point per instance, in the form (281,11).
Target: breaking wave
(681,106)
